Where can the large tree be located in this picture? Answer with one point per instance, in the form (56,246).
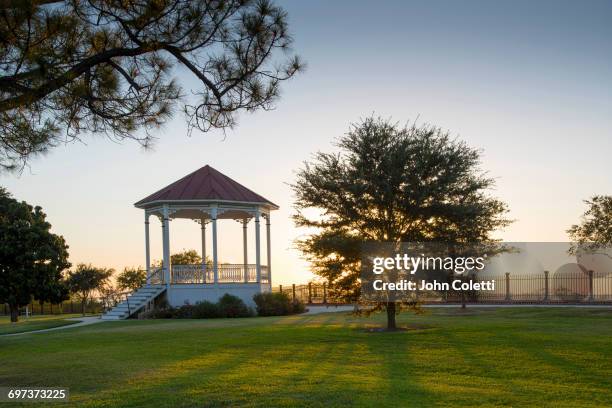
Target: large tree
(594,233)
(389,183)
(51,290)
(31,257)
(86,280)
(106,66)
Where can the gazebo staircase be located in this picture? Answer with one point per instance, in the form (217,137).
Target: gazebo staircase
(135,302)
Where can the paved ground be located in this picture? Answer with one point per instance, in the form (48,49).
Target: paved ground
(82,321)
(316,309)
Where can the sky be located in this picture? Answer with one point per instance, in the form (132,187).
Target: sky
(527,82)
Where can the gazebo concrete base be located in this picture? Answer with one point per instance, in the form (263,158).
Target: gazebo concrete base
(179,295)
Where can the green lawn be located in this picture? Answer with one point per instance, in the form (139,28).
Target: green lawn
(485,357)
(34,323)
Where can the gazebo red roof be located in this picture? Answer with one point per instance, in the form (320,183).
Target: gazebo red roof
(206,184)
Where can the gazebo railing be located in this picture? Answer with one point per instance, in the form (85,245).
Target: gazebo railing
(228,273)
(157,276)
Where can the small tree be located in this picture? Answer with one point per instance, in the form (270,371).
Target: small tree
(110,296)
(594,233)
(391,184)
(31,257)
(131,279)
(87,279)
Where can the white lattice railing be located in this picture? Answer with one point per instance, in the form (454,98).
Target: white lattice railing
(228,273)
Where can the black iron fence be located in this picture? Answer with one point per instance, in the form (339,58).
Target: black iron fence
(67,307)
(583,288)
(545,288)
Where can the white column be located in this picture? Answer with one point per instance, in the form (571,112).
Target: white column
(203,224)
(257,247)
(213,215)
(166,245)
(245,250)
(147,249)
(269,249)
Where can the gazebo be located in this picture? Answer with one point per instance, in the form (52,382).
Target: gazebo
(205,196)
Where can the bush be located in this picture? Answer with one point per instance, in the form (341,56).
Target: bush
(233,306)
(206,310)
(184,312)
(163,311)
(159,314)
(227,306)
(277,304)
(298,307)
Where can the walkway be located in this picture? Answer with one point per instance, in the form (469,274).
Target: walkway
(83,321)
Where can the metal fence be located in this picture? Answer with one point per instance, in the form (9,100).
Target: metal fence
(510,288)
(579,288)
(67,307)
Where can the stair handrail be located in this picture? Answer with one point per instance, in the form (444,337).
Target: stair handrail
(127,301)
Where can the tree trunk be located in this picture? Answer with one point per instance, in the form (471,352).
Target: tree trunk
(463,300)
(14,313)
(391,316)
(42,307)
(83,306)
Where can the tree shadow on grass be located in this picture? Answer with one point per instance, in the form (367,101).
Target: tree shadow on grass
(483,374)
(394,351)
(148,386)
(257,372)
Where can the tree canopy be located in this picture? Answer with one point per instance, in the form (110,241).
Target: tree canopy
(389,183)
(131,278)
(185,257)
(87,279)
(31,257)
(105,66)
(594,233)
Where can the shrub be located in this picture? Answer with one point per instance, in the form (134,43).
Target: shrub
(298,307)
(232,306)
(161,312)
(206,310)
(184,312)
(227,306)
(277,304)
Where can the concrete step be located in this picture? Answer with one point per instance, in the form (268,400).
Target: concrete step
(134,303)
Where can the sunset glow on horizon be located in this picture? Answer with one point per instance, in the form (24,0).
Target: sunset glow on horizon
(528,83)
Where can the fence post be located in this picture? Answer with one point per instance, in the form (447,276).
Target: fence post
(324,293)
(507,286)
(546,286)
(591,286)
(293,291)
(309,292)
(280,288)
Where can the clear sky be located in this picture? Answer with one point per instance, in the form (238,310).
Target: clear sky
(530,83)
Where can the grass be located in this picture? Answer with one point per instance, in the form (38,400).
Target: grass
(485,357)
(34,323)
